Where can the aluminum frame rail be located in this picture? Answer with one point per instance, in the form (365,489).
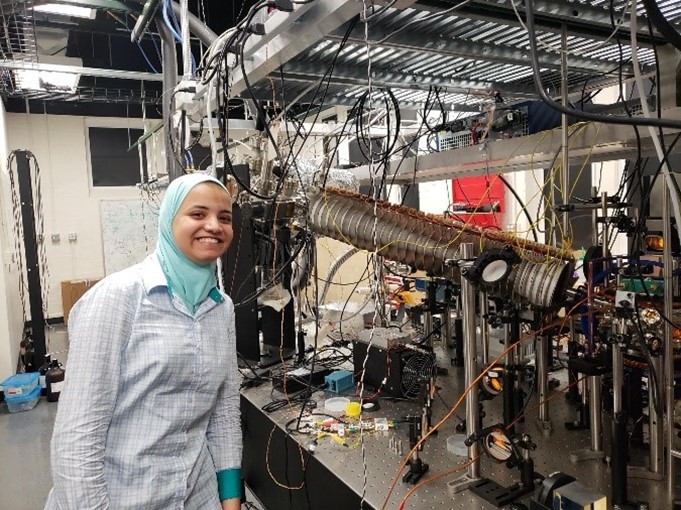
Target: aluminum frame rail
(287,34)
(595,142)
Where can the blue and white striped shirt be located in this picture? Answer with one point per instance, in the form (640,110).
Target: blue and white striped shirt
(150,405)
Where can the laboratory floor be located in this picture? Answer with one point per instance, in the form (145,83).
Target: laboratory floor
(25,479)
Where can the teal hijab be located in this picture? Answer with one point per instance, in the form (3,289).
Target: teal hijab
(187,280)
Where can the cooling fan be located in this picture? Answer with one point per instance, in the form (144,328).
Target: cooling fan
(417,368)
(387,361)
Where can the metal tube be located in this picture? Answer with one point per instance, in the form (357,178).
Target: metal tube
(142,22)
(655,422)
(617,377)
(447,328)
(186,43)
(508,379)
(541,357)
(595,405)
(169,55)
(564,128)
(604,212)
(428,327)
(484,327)
(470,363)
(594,219)
(668,335)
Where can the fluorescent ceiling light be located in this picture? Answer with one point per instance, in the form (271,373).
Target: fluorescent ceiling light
(52,79)
(66,10)
(31,79)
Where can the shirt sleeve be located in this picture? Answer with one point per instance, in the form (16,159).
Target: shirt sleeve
(99,328)
(224,427)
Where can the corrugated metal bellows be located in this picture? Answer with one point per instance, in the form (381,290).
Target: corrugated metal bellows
(425,242)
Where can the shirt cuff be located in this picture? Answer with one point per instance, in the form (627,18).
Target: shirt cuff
(229,483)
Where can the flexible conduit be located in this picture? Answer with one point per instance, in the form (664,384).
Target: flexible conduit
(427,242)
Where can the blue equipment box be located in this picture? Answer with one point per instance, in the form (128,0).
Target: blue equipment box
(339,381)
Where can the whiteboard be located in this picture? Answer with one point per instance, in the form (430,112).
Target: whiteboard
(129,232)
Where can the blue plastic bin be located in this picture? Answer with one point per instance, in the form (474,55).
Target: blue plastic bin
(24,402)
(20,384)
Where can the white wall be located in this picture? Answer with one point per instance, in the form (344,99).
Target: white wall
(11,323)
(71,205)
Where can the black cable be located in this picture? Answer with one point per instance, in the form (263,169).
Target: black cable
(606,119)
(522,204)
(326,76)
(665,28)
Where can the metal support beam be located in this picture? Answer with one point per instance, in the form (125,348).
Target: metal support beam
(357,76)
(477,50)
(668,261)
(595,404)
(595,142)
(471,372)
(484,327)
(581,19)
(286,36)
(84,71)
(541,359)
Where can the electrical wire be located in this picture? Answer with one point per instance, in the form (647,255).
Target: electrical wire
(606,119)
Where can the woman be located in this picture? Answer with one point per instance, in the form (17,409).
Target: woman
(149,414)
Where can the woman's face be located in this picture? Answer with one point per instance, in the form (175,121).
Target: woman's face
(202,227)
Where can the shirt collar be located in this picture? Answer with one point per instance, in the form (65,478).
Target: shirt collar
(152,274)
(153,278)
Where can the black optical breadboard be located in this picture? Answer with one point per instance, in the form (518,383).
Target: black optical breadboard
(299,379)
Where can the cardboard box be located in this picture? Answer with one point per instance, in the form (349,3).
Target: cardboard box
(72,291)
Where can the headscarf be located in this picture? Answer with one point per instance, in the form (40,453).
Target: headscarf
(187,280)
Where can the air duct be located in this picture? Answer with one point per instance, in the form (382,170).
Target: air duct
(426,242)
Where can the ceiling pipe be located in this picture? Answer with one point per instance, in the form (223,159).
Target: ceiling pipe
(196,26)
(170,76)
(143,21)
(169,55)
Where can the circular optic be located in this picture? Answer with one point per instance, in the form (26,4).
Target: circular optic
(650,316)
(498,446)
(495,271)
(491,383)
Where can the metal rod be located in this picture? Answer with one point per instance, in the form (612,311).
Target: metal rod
(428,327)
(447,328)
(595,405)
(564,128)
(617,377)
(169,54)
(471,366)
(484,327)
(655,422)
(508,377)
(186,43)
(144,19)
(604,212)
(668,335)
(619,435)
(542,377)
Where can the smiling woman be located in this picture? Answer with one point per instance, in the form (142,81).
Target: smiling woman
(202,227)
(152,386)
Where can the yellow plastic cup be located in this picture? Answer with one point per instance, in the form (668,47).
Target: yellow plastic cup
(353,409)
